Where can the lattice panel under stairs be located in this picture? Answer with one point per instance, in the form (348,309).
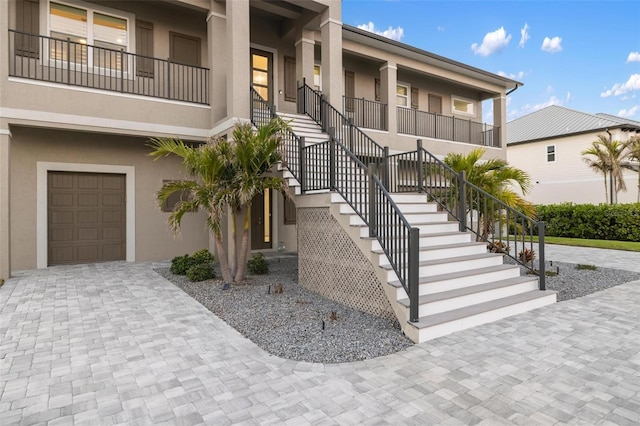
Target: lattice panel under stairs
(330,264)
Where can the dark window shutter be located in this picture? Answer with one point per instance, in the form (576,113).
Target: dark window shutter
(289,212)
(28,22)
(377,90)
(290,88)
(349,90)
(184,49)
(144,48)
(435,104)
(415,93)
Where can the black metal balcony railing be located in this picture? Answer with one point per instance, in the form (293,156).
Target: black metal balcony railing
(71,63)
(430,125)
(365,113)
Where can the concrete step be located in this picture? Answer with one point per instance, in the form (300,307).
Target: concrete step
(425,228)
(439,267)
(441,252)
(450,300)
(437,325)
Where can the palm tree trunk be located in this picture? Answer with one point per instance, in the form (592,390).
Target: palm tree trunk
(233,266)
(222,256)
(244,245)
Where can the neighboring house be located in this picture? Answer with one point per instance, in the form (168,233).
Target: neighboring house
(548,144)
(84,84)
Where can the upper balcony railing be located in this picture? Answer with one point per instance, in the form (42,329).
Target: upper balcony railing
(365,113)
(71,63)
(431,125)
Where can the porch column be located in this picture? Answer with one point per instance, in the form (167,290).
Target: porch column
(5,234)
(238,59)
(217,49)
(332,79)
(388,88)
(305,57)
(500,118)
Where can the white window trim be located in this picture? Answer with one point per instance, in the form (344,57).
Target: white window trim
(42,207)
(460,98)
(408,86)
(555,153)
(45,29)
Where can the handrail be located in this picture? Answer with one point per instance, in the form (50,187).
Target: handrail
(488,218)
(68,62)
(261,113)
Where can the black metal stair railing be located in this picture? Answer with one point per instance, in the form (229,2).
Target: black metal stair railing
(505,229)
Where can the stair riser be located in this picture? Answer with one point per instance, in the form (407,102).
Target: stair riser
(444,253)
(430,241)
(425,229)
(483,318)
(462,282)
(472,299)
(446,268)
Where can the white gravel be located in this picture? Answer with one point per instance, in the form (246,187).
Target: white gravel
(298,325)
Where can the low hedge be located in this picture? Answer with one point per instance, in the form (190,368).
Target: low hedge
(619,222)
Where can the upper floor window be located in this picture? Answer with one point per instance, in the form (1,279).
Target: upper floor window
(463,106)
(402,95)
(317,80)
(551,154)
(76,28)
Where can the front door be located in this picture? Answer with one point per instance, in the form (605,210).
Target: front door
(262,73)
(261,221)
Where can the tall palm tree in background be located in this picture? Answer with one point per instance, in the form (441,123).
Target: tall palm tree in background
(224,175)
(608,159)
(633,154)
(496,177)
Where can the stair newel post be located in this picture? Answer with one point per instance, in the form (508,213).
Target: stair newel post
(373,217)
(420,167)
(352,131)
(462,198)
(332,158)
(323,114)
(541,266)
(385,171)
(414,273)
(303,164)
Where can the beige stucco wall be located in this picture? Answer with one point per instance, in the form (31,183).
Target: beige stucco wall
(568,179)
(154,241)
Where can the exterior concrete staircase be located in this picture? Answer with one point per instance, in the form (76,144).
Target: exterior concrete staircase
(461,284)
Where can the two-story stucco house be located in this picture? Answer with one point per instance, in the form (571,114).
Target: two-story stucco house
(548,144)
(84,84)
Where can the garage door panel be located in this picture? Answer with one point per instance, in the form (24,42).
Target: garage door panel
(86,217)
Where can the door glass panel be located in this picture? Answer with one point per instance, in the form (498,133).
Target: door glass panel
(262,91)
(267,216)
(260,62)
(260,77)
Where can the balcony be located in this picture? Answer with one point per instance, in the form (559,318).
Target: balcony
(365,113)
(430,125)
(71,63)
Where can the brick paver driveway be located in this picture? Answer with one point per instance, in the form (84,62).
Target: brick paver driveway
(116,343)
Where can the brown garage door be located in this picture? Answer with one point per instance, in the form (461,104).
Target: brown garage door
(86,217)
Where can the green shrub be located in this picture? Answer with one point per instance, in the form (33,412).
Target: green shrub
(258,264)
(181,264)
(618,222)
(581,267)
(201,272)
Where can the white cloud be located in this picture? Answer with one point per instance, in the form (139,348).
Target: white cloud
(633,57)
(629,112)
(519,76)
(392,33)
(528,108)
(552,45)
(620,89)
(524,35)
(492,42)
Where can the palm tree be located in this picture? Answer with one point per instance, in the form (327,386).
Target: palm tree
(633,154)
(495,177)
(609,159)
(224,175)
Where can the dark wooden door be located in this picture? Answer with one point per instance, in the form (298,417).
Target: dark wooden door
(261,227)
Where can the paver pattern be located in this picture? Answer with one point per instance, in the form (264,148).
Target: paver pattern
(115,343)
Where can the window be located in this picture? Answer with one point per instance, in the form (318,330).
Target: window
(376,85)
(551,154)
(290,86)
(317,80)
(173,199)
(463,106)
(349,90)
(184,49)
(402,95)
(76,28)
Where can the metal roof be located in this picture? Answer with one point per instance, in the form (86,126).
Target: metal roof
(555,121)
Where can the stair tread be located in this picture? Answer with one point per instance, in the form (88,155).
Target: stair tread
(459,274)
(446,222)
(440,247)
(452,259)
(465,291)
(468,311)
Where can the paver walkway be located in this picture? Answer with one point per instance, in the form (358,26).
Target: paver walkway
(615,259)
(115,343)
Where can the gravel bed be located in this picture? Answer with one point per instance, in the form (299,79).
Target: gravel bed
(297,324)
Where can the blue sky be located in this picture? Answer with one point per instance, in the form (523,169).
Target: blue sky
(584,55)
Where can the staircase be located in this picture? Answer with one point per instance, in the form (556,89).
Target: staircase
(461,285)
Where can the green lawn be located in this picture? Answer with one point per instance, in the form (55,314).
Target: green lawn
(606,244)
